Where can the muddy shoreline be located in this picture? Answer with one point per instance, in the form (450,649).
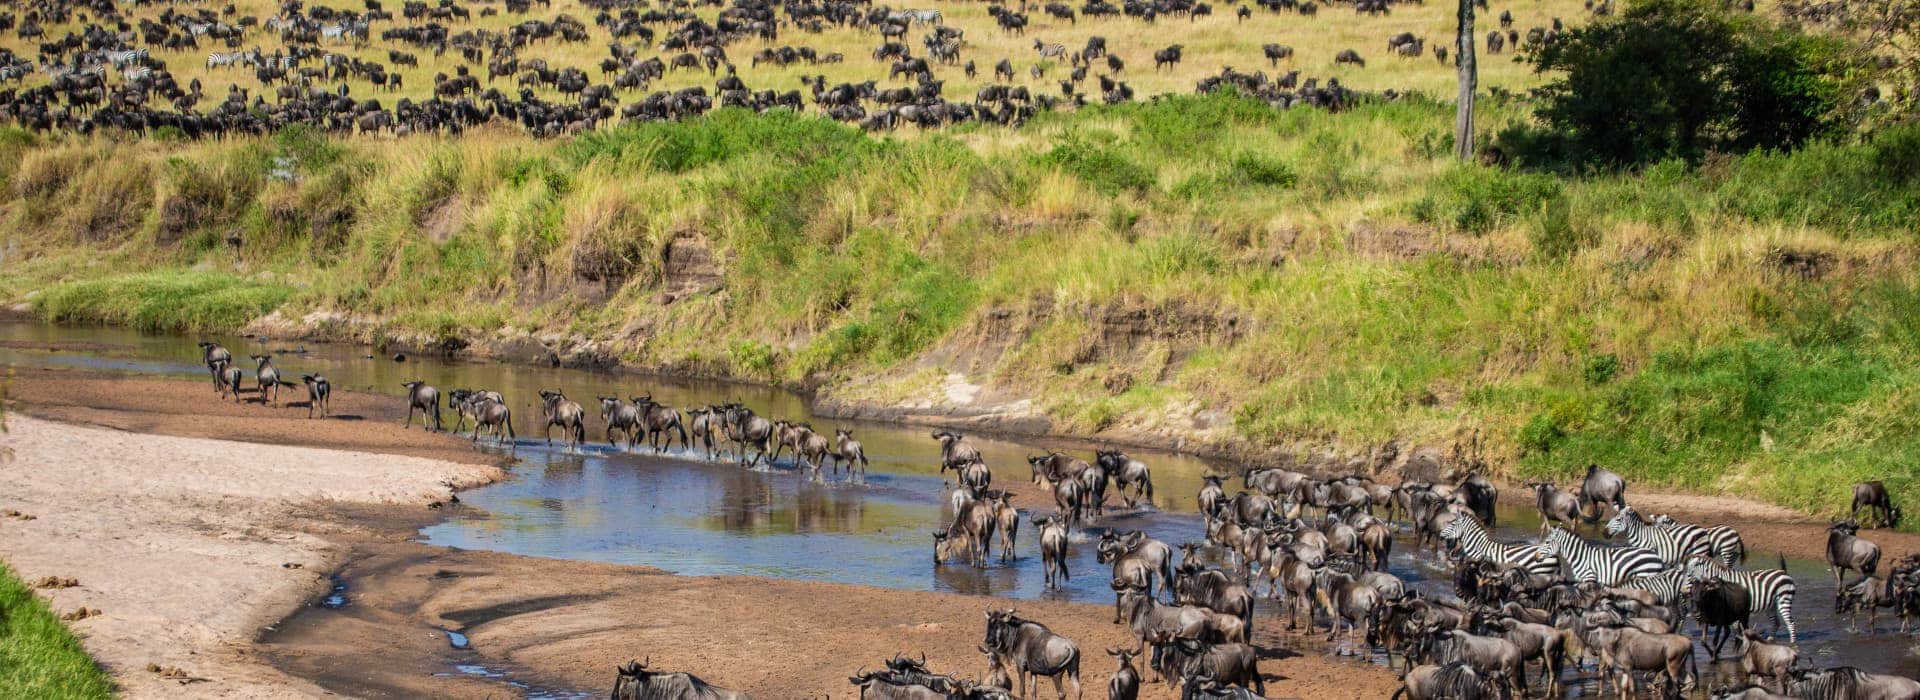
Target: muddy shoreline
(562,625)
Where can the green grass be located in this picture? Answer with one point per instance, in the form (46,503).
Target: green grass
(1373,289)
(39,658)
(176,301)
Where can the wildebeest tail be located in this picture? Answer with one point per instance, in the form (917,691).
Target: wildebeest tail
(1146,489)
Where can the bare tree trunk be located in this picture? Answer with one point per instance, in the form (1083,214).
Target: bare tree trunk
(1469,80)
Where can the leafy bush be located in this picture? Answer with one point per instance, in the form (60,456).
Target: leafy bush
(1473,199)
(1101,166)
(1680,78)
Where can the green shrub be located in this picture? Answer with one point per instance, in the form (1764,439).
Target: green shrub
(1101,166)
(1473,199)
(163,301)
(1683,78)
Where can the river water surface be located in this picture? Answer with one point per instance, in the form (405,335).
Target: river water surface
(693,516)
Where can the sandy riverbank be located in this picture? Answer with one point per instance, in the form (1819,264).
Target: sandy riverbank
(186,545)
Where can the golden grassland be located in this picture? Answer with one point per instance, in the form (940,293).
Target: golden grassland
(1211,44)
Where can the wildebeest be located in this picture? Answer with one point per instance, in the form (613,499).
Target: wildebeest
(1722,609)
(1212,496)
(1231,663)
(1602,487)
(637,682)
(1491,653)
(747,430)
(1555,505)
(624,417)
(268,378)
(706,427)
(1848,683)
(848,452)
(1136,557)
(1869,594)
(1758,657)
(1127,473)
(1848,552)
(1053,548)
(319,394)
(567,414)
(658,419)
(1009,522)
(1168,57)
(1481,497)
(1454,681)
(425,399)
(1350,602)
(1275,52)
(954,450)
(1124,684)
(1629,649)
(1873,496)
(1032,651)
(216,358)
(1350,56)
(489,411)
(229,378)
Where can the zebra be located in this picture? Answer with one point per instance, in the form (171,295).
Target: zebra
(232,58)
(923,16)
(1772,588)
(136,73)
(122,58)
(1673,545)
(1607,566)
(1722,541)
(1471,538)
(1669,587)
(1054,50)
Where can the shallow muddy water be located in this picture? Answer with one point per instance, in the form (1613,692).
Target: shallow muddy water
(684,513)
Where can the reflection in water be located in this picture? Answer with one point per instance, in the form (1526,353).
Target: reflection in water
(703,518)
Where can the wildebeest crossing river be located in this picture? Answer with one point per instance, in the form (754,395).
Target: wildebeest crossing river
(693,516)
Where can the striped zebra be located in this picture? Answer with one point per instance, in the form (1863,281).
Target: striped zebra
(1673,546)
(1054,50)
(122,58)
(1607,566)
(231,58)
(1474,544)
(1670,587)
(1724,542)
(1771,588)
(136,73)
(923,16)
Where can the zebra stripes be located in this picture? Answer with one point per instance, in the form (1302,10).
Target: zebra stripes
(1607,566)
(1669,587)
(1722,541)
(1054,50)
(232,58)
(1476,545)
(922,16)
(1769,588)
(1673,545)
(122,58)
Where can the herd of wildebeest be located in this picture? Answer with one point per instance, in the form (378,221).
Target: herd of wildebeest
(1518,613)
(106,76)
